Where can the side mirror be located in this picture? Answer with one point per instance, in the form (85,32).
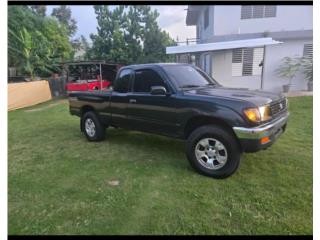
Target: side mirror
(158,90)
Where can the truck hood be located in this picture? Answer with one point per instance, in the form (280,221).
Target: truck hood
(256,97)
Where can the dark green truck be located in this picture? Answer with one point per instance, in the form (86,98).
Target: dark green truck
(181,101)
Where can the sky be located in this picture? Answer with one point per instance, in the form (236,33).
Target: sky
(172,19)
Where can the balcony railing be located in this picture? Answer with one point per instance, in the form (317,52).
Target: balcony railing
(189,41)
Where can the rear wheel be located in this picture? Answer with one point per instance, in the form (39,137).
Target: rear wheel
(92,127)
(213,151)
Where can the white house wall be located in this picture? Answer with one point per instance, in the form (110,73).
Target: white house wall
(222,72)
(274,54)
(227,20)
(222,68)
(209,31)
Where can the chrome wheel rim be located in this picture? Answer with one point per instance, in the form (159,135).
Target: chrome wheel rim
(90,127)
(211,153)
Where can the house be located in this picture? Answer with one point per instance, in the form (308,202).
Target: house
(242,46)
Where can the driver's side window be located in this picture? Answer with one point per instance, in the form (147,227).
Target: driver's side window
(122,84)
(145,79)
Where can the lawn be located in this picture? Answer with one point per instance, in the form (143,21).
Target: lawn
(61,184)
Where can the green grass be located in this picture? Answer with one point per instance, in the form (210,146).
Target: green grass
(58,181)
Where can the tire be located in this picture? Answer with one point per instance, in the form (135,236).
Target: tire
(221,146)
(90,121)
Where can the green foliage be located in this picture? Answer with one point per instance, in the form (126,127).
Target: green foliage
(109,43)
(307,68)
(24,51)
(36,44)
(63,15)
(289,68)
(81,48)
(19,17)
(39,9)
(129,34)
(117,52)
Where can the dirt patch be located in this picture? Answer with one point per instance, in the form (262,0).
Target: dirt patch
(114,183)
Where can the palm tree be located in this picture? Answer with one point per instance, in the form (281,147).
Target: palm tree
(288,69)
(24,50)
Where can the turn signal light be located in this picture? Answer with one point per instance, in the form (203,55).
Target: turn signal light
(264,140)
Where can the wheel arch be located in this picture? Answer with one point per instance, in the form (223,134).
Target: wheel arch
(199,121)
(84,109)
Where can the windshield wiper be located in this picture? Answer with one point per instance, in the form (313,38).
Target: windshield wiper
(211,84)
(189,86)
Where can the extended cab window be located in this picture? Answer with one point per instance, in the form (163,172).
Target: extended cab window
(122,84)
(145,79)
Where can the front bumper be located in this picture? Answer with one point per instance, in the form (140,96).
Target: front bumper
(250,138)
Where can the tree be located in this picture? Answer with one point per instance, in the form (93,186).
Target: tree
(134,33)
(19,17)
(36,44)
(155,40)
(307,68)
(63,14)
(109,44)
(118,52)
(39,9)
(130,35)
(81,48)
(24,50)
(288,68)
(102,40)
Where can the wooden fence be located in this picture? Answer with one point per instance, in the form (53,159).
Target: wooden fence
(26,94)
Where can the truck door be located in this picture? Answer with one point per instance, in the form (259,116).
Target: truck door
(119,99)
(151,113)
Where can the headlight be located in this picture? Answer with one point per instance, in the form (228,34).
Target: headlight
(287,102)
(265,113)
(252,114)
(259,114)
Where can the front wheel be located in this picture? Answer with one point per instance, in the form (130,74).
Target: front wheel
(92,127)
(213,151)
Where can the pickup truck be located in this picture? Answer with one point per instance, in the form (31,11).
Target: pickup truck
(182,101)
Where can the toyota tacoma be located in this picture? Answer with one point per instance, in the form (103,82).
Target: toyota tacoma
(182,101)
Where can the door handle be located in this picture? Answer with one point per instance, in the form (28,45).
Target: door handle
(132,100)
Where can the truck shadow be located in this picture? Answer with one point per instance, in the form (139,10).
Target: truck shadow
(158,147)
(141,140)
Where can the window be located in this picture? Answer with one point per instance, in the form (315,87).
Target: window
(258,11)
(187,76)
(246,12)
(237,55)
(308,50)
(270,11)
(247,61)
(145,79)
(122,84)
(206,18)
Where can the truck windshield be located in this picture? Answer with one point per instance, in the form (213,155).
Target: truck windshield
(188,76)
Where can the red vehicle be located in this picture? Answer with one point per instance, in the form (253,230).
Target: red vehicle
(93,75)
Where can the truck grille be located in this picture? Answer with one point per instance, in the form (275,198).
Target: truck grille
(278,107)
